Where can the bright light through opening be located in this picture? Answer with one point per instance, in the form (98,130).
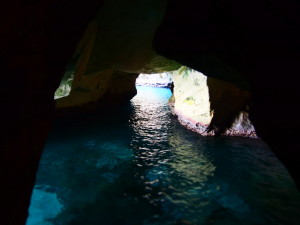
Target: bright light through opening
(154,80)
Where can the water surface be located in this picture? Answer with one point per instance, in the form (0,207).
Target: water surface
(139,166)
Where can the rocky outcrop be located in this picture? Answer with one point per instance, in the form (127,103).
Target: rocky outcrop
(230,106)
(209,106)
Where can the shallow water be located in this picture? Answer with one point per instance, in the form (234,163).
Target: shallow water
(139,166)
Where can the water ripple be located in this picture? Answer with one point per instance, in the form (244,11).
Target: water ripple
(144,168)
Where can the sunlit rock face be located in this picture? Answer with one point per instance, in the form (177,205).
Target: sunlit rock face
(191,99)
(210,106)
(107,88)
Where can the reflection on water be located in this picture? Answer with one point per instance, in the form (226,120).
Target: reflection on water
(141,167)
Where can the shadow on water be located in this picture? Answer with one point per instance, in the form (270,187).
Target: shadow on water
(136,165)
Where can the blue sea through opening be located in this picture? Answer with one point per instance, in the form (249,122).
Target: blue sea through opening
(138,166)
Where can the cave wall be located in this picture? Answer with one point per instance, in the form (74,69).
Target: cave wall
(230,105)
(38,39)
(234,41)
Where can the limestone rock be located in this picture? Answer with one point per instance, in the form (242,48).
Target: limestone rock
(107,88)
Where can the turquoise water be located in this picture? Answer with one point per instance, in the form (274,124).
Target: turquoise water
(139,166)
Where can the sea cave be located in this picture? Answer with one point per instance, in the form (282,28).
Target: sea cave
(150,112)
